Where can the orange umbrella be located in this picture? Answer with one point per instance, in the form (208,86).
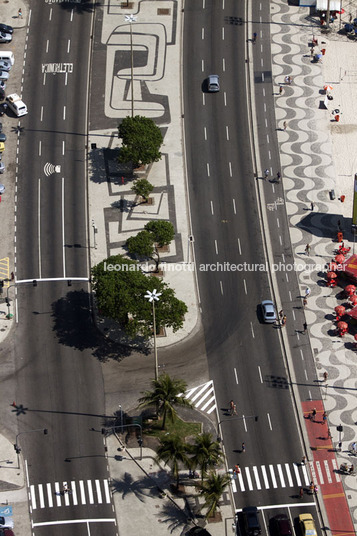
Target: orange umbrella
(328,87)
(340,258)
(340,310)
(331,275)
(342,325)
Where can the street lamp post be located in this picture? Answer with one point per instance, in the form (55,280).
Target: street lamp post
(131,19)
(18,448)
(152,297)
(140,439)
(8,316)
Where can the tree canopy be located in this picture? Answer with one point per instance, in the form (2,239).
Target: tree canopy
(142,140)
(146,243)
(120,287)
(142,187)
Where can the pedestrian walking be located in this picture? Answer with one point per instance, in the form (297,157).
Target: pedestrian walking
(231,407)
(283,320)
(66,489)
(324,417)
(278,176)
(354,448)
(307,292)
(307,249)
(266,174)
(19,13)
(285,125)
(312,205)
(236,469)
(280,90)
(313,414)
(281,314)
(234,410)
(325,376)
(316,489)
(312,487)
(243,447)
(303,460)
(312,52)
(304,327)
(329,436)
(254,37)
(304,302)
(301,493)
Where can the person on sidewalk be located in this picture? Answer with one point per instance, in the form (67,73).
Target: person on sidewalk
(307,292)
(312,206)
(284,125)
(266,174)
(280,90)
(313,414)
(304,328)
(304,302)
(303,460)
(325,376)
(19,13)
(307,249)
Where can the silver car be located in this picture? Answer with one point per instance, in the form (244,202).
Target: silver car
(2,167)
(6,522)
(213,83)
(268,311)
(5,65)
(5,37)
(4,75)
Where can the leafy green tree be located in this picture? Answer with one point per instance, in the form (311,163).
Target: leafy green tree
(165,395)
(120,295)
(206,453)
(142,140)
(143,188)
(173,451)
(212,490)
(156,234)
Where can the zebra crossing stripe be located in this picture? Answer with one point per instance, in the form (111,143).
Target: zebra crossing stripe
(272,474)
(203,398)
(58,494)
(281,476)
(247,474)
(256,476)
(210,401)
(265,477)
(241,483)
(33,497)
(83,495)
(297,475)
(198,394)
(99,491)
(49,494)
(42,498)
(287,469)
(106,490)
(74,492)
(90,492)
(312,471)
(327,470)
(306,476)
(321,476)
(334,464)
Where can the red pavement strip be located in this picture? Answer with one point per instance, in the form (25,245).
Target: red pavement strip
(331,490)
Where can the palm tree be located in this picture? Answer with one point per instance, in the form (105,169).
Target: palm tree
(212,490)
(205,453)
(166,393)
(173,451)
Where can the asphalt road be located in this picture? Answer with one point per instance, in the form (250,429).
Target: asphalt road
(59,382)
(245,356)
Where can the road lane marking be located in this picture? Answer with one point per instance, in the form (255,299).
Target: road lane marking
(74,492)
(68,46)
(33,497)
(90,491)
(297,475)
(212,208)
(223,64)
(71,521)
(281,476)
(216,246)
(39,228)
(58,494)
(256,476)
(221,285)
(227,133)
(42,498)
(287,469)
(208,171)
(247,474)
(272,474)
(64,113)
(63,237)
(234,206)
(83,495)
(106,491)
(49,494)
(99,491)
(265,477)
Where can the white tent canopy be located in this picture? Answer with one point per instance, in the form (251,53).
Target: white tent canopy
(321,5)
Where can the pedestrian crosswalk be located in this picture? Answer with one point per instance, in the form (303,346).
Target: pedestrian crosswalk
(53,495)
(203,397)
(285,475)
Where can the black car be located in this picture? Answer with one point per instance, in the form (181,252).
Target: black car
(3,108)
(5,28)
(281,526)
(251,521)
(2,137)
(2,94)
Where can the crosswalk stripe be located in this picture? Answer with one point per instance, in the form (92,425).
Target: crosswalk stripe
(297,475)
(335,467)
(212,399)
(288,473)
(327,471)
(90,492)
(58,494)
(106,491)
(198,394)
(203,398)
(74,493)
(247,474)
(312,471)
(42,499)
(241,483)
(319,472)
(33,497)
(65,495)
(272,474)
(49,494)
(281,476)
(306,476)
(83,495)
(256,476)
(265,476)
(99,491)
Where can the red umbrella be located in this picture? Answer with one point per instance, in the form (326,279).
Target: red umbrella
(355,337)
(353,299)
(340,310)
(350,289)
(331,275)
(340,258)
(342,325)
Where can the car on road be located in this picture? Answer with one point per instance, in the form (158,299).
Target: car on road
(2,84)
(251,521)
(213,83)
(6,522)
(6,28)
(5,37)
(307,525)
(268,311)
(2,167)
(5,65)
(2,137)
(4,75)
(280,525)
(2,147)
(2,94)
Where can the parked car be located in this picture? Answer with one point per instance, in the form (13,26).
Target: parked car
(5,65)
(2,147)
(4,75)
(251,521)
(0,127)
(281,525)
(3,108)
(268,312)
(2,137)
(2,94)
(5,28)
(5,37)
(2,167)
(307,525)
(2,84)
(213,83)
(6,522)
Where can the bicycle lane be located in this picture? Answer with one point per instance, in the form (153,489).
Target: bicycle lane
(324,469)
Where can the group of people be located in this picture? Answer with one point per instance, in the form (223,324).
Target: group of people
(345,469)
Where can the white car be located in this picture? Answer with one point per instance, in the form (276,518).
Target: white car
(6,522)
(268,310)
(4,75)
(5,37)
(2,167)
(5,65)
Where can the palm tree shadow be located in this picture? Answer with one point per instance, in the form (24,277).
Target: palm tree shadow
(144,488)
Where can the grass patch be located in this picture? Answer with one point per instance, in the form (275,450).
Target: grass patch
(179,428)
